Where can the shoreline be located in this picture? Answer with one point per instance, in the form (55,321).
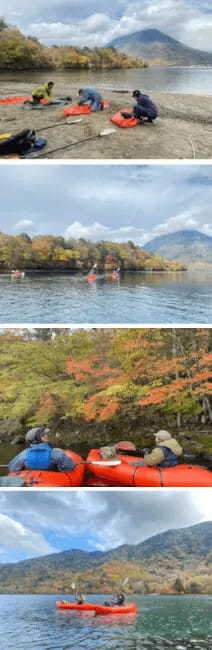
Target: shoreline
(182,131)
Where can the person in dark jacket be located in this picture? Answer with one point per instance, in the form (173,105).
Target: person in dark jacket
(88,95)
(40,455)
(145,107)
(120,600)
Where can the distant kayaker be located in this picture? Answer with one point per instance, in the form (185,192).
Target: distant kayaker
(40,455)
(166,453)
(88,95)
(120,600)
(94,269)
(145,107)
(80,598)
(43,92)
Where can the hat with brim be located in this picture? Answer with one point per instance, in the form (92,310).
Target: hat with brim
(162,435)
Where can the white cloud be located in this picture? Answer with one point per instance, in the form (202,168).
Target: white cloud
(23,224)
(97,232)
(14,534)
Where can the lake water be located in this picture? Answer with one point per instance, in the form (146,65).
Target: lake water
(137,298)
(179,79)
(33,623)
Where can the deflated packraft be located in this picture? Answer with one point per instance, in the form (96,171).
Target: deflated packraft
(14,100)
(83,110)
(129,608)
(128,474)
(46,478)
(22,143)
(123,122)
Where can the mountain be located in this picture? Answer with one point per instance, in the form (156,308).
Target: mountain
(188,246)
(157,561)
(150,44)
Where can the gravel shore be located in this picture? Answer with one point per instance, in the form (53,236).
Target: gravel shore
(183,130)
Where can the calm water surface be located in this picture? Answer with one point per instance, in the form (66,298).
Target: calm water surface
(32,623)
(135,298)
(192,79)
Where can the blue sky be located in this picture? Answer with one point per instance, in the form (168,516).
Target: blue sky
(35,523)
(113,202)
(96,22)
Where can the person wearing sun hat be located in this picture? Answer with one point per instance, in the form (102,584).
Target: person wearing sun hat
(166,452)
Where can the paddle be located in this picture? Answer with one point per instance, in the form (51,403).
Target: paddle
(103,463)
(101,134)
(52,126)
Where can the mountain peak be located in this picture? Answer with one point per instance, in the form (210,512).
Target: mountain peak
(151,44)
(190,246)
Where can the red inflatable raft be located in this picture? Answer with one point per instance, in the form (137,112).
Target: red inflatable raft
(43,478)
(82,110)
(126,474)
(124,123)
(129,608)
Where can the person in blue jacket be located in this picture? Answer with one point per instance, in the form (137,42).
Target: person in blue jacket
(91,96)
(40,455)
(145,107)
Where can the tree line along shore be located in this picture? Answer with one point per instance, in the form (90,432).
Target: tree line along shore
(57,253)
(19,52)
(93,387)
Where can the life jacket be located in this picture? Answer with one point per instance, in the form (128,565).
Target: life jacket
(39,456)
(171,459)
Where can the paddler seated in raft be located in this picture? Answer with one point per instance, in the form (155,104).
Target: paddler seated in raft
(94,269)
(120,600)
(88,95)
(40,455)
(166,453)
(43,92)
(80,598)
(144,109)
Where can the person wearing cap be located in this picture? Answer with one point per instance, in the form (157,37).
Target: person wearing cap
(88,95)
(40,455)
(145,107)
(166,453)
(43,92)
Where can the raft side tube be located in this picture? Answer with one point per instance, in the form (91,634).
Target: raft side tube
(45,478)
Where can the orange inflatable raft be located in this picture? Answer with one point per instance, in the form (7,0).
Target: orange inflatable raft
(126,474)
(124,123)
(44,478)
(17,100)
(129,608)
(82,110)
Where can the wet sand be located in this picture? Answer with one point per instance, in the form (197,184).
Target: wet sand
(183,130)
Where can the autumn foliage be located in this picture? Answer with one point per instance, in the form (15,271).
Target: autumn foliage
(120,378)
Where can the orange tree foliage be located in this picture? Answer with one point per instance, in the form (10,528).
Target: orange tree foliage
(106,374)
(146,371)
